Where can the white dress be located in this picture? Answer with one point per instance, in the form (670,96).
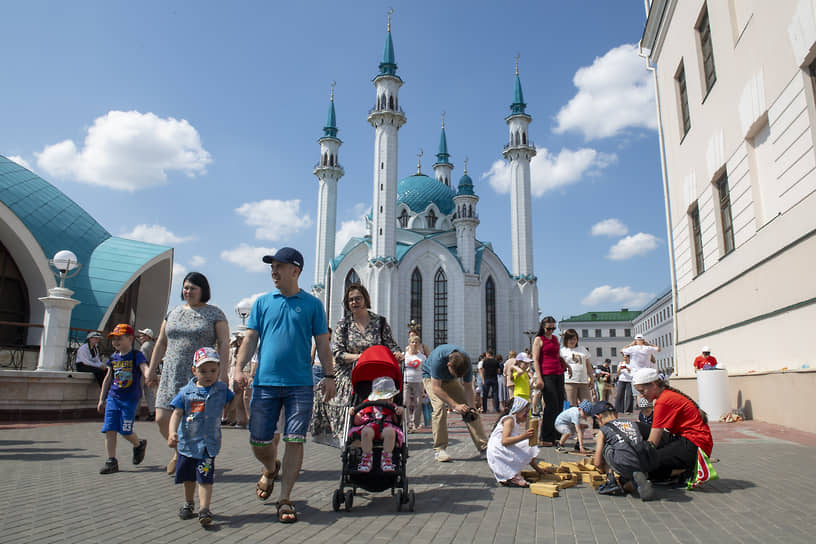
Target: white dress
(507,461)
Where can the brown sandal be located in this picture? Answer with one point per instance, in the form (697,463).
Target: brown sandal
(263,492)
(286,516)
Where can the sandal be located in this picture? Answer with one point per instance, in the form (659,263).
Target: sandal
(515,481)
(263,492)
(289,515)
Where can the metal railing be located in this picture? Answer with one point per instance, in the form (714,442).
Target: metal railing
(12,354)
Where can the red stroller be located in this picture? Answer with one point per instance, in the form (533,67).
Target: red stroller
(375,362)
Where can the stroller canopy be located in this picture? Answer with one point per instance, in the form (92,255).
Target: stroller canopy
(375,362)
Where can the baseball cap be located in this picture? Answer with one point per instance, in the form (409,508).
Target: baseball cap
(600,407)
(93,334)
(523,357)
(645,375)
(706,349)
(121,330)
(639,337)
(205,355)
(148,332)
(286,255)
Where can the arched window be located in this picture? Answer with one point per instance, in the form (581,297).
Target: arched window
(518,138)
(470,210)
(524,138)
(331,160)
(403,219)
(352,277)
(325,159)
(416,297)
(390,102)
(440,308)
(490,314)
(13,300)
(430,219)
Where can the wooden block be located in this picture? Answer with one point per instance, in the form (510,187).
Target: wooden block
(546,490)
(549,478)
(545,465)
(562,469)
(563,484)
(530,475)
(586,477)
(565,476)
(569,467)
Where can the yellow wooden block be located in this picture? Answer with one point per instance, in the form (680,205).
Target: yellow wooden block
(546,490)
(563,484)
(586,477)
(544,465)
(530,475)
(565,476)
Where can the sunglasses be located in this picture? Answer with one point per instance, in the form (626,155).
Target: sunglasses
(549,328)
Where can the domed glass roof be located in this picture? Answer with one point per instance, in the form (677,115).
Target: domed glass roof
(418,191)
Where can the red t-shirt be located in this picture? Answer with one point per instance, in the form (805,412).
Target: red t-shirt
(549,356)
(679,416)
(701,361)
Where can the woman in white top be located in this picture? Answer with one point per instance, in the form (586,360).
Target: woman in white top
(624,401)
(578,385)
(640,353)
(413,390)
(88,358)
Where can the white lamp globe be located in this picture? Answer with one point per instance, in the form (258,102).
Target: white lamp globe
(65,261)
(243,308)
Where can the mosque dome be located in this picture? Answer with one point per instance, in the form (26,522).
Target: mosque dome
(465,186)
(419,190)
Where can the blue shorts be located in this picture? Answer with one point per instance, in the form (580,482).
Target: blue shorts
(195,470)
(119,416)
(265,409)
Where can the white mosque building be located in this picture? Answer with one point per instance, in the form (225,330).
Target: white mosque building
(421,260)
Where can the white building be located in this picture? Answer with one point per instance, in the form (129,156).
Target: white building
(737,112)
(603,333)
(421,260)
(655,323)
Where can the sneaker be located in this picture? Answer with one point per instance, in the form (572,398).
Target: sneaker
(576,447)
(111,466)
(365,463)
(442,456)
(387,463)
(560,449)
(186,511)
(139,451)
(483,454)
(643,486)
(613,489)
(205,517)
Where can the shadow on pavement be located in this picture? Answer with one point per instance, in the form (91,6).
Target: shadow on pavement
(45,456)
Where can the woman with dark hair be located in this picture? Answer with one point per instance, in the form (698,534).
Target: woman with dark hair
(88,358)
(578,384)
(549,377)
(358,330)
(185,329)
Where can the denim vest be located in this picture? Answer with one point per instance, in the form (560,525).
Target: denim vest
(201,430)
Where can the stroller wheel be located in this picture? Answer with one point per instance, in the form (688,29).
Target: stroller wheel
(337,499)
(398,500)
(349,499)
(411,500)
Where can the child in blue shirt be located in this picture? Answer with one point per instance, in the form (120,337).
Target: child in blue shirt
(195,430)
(120,395)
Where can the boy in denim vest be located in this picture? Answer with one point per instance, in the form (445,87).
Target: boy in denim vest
(195,429)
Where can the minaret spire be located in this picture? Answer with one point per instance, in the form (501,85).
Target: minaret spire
(443,166)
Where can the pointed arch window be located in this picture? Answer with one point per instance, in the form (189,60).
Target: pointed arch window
(390,102)
(490,314)
(524,138)
(430,219)
(403,219)
(440,308)
(416,297)
(352,277)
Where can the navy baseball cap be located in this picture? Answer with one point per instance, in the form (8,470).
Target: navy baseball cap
(286,255)
(601,406)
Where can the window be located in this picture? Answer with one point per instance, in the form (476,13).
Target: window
(13,300)
(725,213)
(599,352)
(682,93)
(584,333)
(704,31)
(440,308)
(403,219)
(416,297)
(490,314)
(430,219)
(627,332)
(612,333)
(352,277)
(697,239)
(613,352)
(597,333)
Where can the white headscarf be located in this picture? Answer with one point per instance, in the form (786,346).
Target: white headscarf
(519,404)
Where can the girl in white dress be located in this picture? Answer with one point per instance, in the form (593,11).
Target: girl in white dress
(508,449)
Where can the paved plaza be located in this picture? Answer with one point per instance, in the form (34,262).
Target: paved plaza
(51,491)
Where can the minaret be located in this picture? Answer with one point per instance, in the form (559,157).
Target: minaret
(328,172)
(465,221)
(386,118)
(519,152)
(443,167)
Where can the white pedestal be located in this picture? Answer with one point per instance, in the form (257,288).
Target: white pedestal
(56,326)
(712,391)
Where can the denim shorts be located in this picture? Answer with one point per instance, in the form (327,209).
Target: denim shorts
(265,409)
(119,416)
(195,470)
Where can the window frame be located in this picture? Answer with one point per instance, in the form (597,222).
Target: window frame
(705,41)
(696,238)
(682,98)
(726,215)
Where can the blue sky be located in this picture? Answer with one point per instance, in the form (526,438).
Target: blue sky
(194,125)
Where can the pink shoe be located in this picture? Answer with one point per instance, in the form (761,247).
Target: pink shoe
(365,463)
(387,464)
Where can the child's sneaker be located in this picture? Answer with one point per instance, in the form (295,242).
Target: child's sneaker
(139,451)
(186,511)
(387,463)
(205,517)
(643,486)
(111,466)
(365,463)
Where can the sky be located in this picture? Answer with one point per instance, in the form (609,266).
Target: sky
(194,124)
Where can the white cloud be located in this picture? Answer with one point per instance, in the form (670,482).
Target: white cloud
(19,160)
(615,93)
(275,219)
(352,228)
(549,171)
(179,271)
(248,300)
(248,257)
(198,261)
(637,244)
(623,297)
(128,150)
(609,227)
(155,234)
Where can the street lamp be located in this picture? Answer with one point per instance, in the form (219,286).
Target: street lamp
(66,264)
(242,310)
(530,335)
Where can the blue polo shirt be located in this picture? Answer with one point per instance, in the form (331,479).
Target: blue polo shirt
(436,364)
(285,327)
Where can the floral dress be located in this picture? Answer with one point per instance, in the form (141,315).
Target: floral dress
(187,330)
(328,417)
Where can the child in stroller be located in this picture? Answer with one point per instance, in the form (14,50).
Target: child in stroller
(379,419)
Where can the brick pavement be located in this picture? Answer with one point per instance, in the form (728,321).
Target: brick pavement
(50,491)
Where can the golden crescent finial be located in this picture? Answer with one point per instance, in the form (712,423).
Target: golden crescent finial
(419,161)
(390,11)
(332,90)
(517,59)
(466,161)
(443,118)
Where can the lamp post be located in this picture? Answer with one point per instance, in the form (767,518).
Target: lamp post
(530,335)
(57,317)
(242,310)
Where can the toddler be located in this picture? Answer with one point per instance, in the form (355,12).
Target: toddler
(646,411)
(568,423)
(379,420)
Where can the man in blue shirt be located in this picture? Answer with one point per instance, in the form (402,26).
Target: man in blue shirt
(440,374)
(281,325)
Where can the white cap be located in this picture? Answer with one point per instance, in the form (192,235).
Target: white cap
(644,376)
(639,337)
(706,349)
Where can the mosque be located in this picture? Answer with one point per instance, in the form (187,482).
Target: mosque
(420,258)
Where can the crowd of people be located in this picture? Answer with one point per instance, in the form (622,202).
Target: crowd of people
(287,375)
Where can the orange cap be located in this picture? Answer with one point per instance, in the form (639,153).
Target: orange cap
(121,329)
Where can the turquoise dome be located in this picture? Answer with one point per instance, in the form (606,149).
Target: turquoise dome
(418,191)
(465,186)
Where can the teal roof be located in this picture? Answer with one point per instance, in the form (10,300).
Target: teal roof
(442,156)
(518,106)
(623,315)
(330,130)
(465,186)
(57,222)
(388,66)
(418,191)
